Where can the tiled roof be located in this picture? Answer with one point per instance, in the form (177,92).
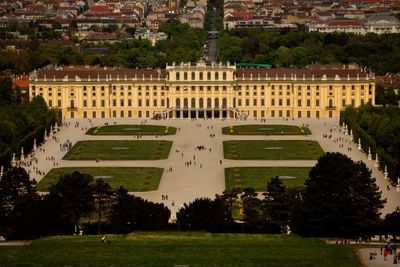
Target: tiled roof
(299,74)
(82,73)
(346,23)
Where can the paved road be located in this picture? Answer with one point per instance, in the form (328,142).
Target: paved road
(205,179)
(211,46)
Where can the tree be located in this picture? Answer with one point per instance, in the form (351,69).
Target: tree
(277,204)
(205,214)
(73,26)
(252,209)
(102,194)
(392,222)
(6,91)
(16,192)
(130,213)
(56,25)
(340,199)
(76,195)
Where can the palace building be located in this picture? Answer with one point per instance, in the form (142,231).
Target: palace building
(203,91)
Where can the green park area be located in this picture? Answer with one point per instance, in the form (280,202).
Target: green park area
(258,177)
(266,129)
(119,150)
(180,249)
(132,179)
(272,150)
(134,129)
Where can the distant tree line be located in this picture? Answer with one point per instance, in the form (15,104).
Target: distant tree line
(21,122)
(381,53)
(340,199)
(183,44)
(378,129)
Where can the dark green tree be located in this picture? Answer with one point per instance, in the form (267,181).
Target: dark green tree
(277,204)
(205,214)
(75,193)
(340,199)
(16,192)
(102,195)
(391,223)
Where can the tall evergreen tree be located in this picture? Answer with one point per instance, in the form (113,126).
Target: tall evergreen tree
(276,204)
(340,199)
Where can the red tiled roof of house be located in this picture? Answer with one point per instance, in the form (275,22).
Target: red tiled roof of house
(21,82)
(99,9)
(345,23)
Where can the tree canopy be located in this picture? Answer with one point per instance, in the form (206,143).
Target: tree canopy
(381,53)
(340,199)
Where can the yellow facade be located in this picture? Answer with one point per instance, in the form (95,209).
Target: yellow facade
(202,91)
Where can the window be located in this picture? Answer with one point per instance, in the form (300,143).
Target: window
(129,102)
(224,76)
(287,102)
(272,102)
(147,102)
(247,102)
(299,102)
(94,103)
(193,76)
(50,103)
(208,75)
(121,103)
(216,75)
(308,102)
(254,102)
(102,103)
(85,103)
(139,102)
(155,102)
(94,114)
(59,103)
(114,102)
(280,102)
(122,114)
(201,76)
(185,76)
(177,76)
(317,102)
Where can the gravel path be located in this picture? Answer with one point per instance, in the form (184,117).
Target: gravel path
(206,179)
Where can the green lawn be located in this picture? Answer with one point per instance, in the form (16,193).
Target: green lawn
(132,179)
(258,177)
(169,249)
(132,129)
(119,150)
(272,150)
(266,129)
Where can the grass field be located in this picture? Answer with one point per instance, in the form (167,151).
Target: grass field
(119,150)
(258,177)
(272,150)
(133,129)
(170,249)
(132,179)
(264,129)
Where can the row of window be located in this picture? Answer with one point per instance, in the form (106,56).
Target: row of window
(209,76)
(201,104)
